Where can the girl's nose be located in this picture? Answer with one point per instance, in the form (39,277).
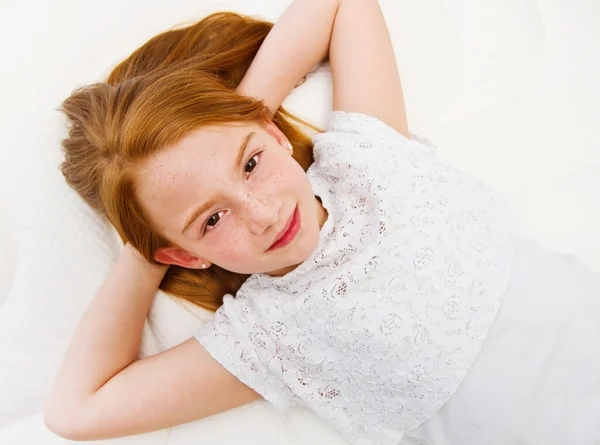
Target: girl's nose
(261,213)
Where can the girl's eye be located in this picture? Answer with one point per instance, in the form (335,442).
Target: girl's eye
(251,164)
(214,219)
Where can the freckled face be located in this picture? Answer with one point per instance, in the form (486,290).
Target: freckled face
(244,207)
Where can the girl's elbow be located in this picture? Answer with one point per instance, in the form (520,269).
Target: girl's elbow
(62,425)
(58,427)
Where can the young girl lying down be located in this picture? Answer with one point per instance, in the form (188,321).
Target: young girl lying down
(352,273)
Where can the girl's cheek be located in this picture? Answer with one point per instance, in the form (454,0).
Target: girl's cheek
(275,176)
(229,246)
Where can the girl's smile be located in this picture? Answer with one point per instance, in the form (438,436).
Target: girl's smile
(289,232)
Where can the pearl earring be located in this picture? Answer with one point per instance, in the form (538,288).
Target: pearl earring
(290,147)
(204,266)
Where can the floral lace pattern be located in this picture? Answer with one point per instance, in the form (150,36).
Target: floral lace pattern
(376,329)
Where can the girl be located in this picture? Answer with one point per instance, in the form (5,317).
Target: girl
(373,284)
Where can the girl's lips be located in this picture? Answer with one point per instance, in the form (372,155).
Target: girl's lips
(289,232)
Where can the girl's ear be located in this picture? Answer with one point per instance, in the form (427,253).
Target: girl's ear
(274,131)
(180,257)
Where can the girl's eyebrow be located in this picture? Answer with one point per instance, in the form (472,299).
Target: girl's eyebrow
(240,156)
(204,207)
(199,211)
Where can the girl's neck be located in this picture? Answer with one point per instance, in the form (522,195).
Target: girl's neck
(322,212)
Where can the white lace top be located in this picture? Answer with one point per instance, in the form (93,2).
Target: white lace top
(377,328)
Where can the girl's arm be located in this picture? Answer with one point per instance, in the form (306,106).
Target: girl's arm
(298,41)
(363,65)
(101,391)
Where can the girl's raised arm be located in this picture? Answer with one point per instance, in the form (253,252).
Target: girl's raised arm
(298,41)
(363,65)
(102,391)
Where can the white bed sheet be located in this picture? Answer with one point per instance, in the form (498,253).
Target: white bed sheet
(507,89)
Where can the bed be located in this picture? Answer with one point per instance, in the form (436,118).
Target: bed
(506,89)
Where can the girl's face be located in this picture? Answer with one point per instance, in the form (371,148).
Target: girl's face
(225,195)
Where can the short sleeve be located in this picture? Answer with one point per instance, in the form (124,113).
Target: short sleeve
(359,138)
(360,124)
(228,341)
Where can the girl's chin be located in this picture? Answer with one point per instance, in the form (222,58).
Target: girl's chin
(288,267)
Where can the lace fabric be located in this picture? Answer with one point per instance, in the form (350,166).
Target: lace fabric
(376,329)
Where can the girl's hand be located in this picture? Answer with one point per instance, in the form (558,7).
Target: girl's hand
(298,41)
(136,256)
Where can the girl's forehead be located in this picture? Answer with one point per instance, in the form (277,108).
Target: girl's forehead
(215,135)
(207,143)
(200,158)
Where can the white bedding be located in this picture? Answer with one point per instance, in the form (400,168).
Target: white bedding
(507,89)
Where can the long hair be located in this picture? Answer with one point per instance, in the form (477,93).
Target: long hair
(175,83)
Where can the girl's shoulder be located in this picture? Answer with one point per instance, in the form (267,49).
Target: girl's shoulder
(363,132)
(360,124)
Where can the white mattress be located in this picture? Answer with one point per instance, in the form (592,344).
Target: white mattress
(507,89)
